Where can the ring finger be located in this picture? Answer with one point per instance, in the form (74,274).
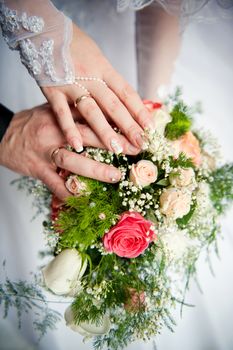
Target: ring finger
(97,121)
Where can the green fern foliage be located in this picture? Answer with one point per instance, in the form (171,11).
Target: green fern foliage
(25,297)
(181,122)
(221,184)
(88,217)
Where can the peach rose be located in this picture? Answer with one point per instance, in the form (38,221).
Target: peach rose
(181,177)
(189,145)
(143,173)
(130,236)
(175,203)
(75,186)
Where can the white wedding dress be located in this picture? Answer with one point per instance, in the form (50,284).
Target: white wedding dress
(204,70)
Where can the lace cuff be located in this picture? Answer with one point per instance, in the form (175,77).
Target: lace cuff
(42,34)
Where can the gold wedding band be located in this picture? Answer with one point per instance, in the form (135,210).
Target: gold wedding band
(54,153)
(80,98)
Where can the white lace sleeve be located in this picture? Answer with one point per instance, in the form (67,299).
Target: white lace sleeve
(42,34)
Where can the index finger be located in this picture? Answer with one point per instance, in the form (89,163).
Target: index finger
(80,165)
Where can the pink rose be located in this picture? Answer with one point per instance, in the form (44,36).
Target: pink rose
(75,186)
(130,236)
(143,173)
(189,145)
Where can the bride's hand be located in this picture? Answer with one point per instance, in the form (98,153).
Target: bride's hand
(30,141)
(117,99)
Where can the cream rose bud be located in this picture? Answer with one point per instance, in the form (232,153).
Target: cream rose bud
(175,203)
(62,275)
(75,186)
(143,173)
(87,329)
(161,119)
(181,177)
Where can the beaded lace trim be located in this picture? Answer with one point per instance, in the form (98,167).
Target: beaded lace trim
(19,30)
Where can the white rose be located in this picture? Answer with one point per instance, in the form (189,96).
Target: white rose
(143,173)
(176,243)
(175,203)
(181,177)
(161,119)
(87,329)
(62,275)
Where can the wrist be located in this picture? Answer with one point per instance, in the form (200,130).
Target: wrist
(5,118)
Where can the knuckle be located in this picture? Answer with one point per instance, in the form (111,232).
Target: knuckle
(113,105)
(127,92)
(104,134)
(43,130)
(108,70)
(60,112)
(143,116)
(132,130)
(104,172)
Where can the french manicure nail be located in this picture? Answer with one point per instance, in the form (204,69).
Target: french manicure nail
(77,146)
(116,147)
(114,175)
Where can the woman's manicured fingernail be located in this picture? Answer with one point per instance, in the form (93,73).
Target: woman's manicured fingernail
(139,139)
(77,146)
(114,175)
(116,147)
(132,149)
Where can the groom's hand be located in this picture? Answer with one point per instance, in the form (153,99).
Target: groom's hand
(32,137)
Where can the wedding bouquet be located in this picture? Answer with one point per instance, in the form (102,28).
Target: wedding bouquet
(126,252)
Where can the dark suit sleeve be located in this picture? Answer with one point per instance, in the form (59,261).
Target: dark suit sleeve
(5,118)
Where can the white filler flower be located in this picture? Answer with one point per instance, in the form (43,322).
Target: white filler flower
(176,242)
(62,275)
(87,329)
